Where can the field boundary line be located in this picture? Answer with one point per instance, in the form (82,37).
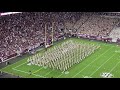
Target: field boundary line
(28,73)
(102,64)
(11,73)
(92,62)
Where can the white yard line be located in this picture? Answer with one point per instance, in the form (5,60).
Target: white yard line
(38,70)
(10,65)
(39,75)
(20,70)
(114,67)
(59,75)
(20,65)
(48,73)
(92,62)
(28,72)
(102,64)
(35,71)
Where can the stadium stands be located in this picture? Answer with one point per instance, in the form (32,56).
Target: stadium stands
(25,31)
(97,26)
(0,59)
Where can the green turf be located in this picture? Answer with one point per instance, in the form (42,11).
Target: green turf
(105,59)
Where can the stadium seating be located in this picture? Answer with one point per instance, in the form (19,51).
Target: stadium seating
(25,31)
(97,26)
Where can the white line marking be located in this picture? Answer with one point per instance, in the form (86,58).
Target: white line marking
(59,75)
(20,70)
(92,62)
(28,73)
(39,75)
(48,73)
(102,64)
(20,65)
(10,73)
(38,70)
(114,67)
(11,64)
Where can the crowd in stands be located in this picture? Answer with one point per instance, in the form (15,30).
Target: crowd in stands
(115,34)
(25,31)
(28,30)
(98,26)
(109,13)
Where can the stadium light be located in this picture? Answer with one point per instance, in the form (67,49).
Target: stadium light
(8,13)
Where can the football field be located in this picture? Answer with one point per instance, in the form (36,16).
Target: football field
(104,60)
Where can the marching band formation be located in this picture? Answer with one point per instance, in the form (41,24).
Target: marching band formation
(64,56)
